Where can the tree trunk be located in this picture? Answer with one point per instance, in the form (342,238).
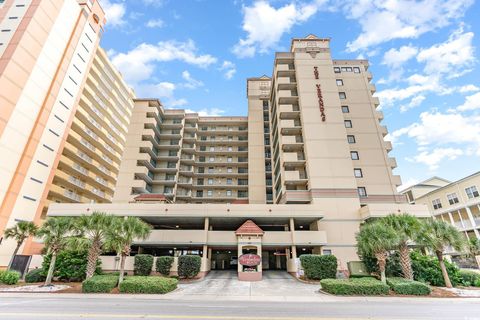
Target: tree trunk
(92,258)
(446,278)
(51,269)
(122,268)
(405,262)
(382,262)
(19,244)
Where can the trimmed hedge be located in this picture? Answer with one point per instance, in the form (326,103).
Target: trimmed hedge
(318,267)
(470,278)
(164,264)
(9,277)
(189,266)
(143,264)
(355,286)
(100,284)
(427,269)
(410,287)
(70,265)
(36,275)
(151,284)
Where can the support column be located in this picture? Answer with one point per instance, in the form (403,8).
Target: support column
(472,221)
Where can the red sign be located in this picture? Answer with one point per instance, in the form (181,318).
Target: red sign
(315,72)
(320,102)
(250,260)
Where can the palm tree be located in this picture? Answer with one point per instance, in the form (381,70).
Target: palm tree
(436,235)
(55,234)
(377,239)
(120,237)
(20,232)
(474,247)
(91,235)
(406,227)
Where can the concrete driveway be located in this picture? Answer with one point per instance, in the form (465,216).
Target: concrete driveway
(226,284)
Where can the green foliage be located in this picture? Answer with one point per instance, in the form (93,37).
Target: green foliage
(318,267)
(164,264)
(354,286)
(405,286)
(36,275)
(9,277)
(392,269)
(189,266)
(436,235)
(143,264)
(21,231)
(469,277)
(427,269)
(100,284)
(152,284)
(477,283)
(70,265)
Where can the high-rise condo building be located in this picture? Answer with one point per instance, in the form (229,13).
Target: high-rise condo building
(298,175)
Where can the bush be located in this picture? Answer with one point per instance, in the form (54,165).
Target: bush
(152,284)
(36,275)
(469,277)
(164,264)
(9,277)
(71,265)
(427,269)
(404,286)
(477,283)
(392,269)
(143,264)
(100,284)
(319,267)
(189,266)
(355,286)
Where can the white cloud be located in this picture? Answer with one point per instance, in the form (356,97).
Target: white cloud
(468,88)
(396,58)
(229,68)
(415,102)
(266,24)
(433,159)
(191,82)
(383,21)
(451,56)
(207,112)
(177,102)
(471,103)
(157,90)
(155,23)
(114,12)
(138,64)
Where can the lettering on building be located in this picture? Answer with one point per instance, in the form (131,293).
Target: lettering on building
(315,72)
(320,103)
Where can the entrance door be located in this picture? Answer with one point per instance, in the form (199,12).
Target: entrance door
(20,263)
(224,259)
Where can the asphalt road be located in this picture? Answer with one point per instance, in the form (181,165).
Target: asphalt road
(129,307)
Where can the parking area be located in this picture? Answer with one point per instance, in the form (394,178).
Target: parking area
(226,283)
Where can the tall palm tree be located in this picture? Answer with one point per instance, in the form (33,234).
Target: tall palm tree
(474,247)
(91,235)
(407,228)
(20,232)
(377,239)
(122,234)
(436,235)
(55,233)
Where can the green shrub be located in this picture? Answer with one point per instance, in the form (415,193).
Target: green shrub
(354,286)
(319,267)
(9,277)
(410,287)
(70,265)
(100,284)
(469,277)
(164,264)
(477,283)
(392,269)
(36,275)
(189,266)
(427,269)
(152,284)
(143,264)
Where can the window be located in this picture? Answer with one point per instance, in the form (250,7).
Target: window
(229,181)
(210,181)
(342,95)
(204,128)
(354,155)
(351,139)
(229,193)
(200,182)
(327,252)
(211,169)
(210,193)
(358,173)
(346,69)
(336,69)
(212,138)
(348,123)
(229,170)
(229,159)
(345,109)
(199,193)
(471,192)
(362,192)
(212,148)
(452,198)
(356,69)
(229,148)
(201,170)
(211,159)
(230,138)
(339,82)
(437,204)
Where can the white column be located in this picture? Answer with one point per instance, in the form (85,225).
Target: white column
(472,221)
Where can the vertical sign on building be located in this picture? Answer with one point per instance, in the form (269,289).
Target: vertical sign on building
(319,96)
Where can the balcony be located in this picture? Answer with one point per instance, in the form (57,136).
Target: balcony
(388,146)
(397,180)
(317,238)
(289,111)
(392,162)
(175,236)
(379,115)
(295,177)
(287,96)
(377,210)
(372,88)
(293,158)
(383,130)
(290,127)
(286,83)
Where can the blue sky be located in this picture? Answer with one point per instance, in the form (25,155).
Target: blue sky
(197,54)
